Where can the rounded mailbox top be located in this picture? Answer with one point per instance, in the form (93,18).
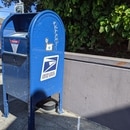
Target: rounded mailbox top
(47,32)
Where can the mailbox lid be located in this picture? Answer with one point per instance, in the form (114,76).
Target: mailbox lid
(16,23)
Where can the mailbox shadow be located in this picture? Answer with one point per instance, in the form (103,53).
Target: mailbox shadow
(18,110)
(1,98)
(116,120)
(18,117)
(45,120)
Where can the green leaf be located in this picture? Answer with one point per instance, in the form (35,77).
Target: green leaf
(101,30)
(102,23)
(127,12)
(107,28)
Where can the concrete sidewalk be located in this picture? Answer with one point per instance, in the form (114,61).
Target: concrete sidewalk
(18,118)
(44,120)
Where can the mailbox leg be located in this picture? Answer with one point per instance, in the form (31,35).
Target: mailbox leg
(5,102)
(31,116)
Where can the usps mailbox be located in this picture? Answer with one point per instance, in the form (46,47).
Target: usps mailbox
(32,59)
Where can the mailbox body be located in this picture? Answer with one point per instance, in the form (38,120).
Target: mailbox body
(32,58)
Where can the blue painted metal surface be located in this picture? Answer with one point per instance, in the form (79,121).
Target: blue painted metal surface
(33,59)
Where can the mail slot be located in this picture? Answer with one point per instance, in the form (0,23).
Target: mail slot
(32,59)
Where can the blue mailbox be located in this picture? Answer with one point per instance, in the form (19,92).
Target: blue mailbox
(32,59)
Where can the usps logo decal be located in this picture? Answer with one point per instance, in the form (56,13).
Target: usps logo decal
(49,67)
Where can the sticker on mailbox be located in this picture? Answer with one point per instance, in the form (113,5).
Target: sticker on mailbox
(14,43)
(49,67)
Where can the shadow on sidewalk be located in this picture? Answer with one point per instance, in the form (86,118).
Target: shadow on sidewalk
(45,120)
(116,120)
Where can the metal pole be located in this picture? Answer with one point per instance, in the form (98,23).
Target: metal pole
(78,123)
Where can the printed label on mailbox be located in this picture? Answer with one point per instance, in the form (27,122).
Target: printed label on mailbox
(14,43)
(49,67)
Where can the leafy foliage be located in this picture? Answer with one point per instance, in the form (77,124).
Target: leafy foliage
(88,22)
(116,25)
(77,18)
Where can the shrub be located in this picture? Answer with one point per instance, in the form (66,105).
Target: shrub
(116,25)
(88,22)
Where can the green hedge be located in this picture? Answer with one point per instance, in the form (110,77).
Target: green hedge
(88,22)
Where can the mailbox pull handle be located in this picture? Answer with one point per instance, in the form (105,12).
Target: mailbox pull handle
(15,59)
